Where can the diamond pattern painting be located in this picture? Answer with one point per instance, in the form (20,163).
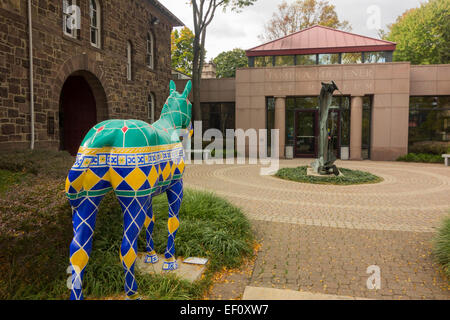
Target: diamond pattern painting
(137,161)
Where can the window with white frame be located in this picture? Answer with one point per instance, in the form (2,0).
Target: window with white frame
(94,14)
(151,107)
(129,61)
(71,18)
(150,51)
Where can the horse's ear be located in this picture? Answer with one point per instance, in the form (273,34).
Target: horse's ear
(188,89)
(173,87)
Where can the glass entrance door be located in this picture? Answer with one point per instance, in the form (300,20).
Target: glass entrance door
(305,133)
(334,122)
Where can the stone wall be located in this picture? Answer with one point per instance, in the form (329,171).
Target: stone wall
(430,80)
(388,83)
(213,90)
(57,56)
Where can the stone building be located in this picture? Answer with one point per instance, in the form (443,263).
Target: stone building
(92,60)
(383,108)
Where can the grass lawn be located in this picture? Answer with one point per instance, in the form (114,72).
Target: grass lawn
(350,177)
(36,230)
(9,178)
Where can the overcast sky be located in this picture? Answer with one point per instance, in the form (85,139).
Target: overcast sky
(231,30)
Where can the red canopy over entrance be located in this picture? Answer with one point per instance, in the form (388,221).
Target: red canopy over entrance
(320,39)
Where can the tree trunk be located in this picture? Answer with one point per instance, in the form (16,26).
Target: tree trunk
(197,105)
(201,21)
(196,79)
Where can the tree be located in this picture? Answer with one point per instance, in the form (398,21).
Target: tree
(204,11)
(423,34)
(227,62)
(300,15)
(182,50)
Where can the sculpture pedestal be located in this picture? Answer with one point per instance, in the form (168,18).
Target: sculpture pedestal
(185,271)
(311,173)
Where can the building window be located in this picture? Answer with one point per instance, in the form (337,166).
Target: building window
(322,59)
(266,61)
(293,103)
(270,121)
(351,57)
(94,14)
(366,127)
(150,51)
(129,61)
(151,107)
(344,105)
(50,125)
(429,122)
(219,116)
(71,18)
(306,59)
(329,58)
(284,61)
(374,57)
(307,108)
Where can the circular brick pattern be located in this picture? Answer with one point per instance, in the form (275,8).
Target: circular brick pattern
(412,197)
(322,238)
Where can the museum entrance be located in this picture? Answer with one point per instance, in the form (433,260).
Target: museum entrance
(306,133)
(82,106)
(302,124)
(306,128)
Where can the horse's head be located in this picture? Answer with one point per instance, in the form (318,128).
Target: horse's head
(178,108)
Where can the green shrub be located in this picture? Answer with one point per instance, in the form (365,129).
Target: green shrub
(442,246)
(430,147)
(422,158)
(349,177)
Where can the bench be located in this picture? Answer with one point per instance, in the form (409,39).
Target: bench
(446,157)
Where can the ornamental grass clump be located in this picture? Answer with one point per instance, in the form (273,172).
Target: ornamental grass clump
(441,246)
(349,177)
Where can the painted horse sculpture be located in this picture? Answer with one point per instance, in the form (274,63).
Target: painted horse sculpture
(138,161)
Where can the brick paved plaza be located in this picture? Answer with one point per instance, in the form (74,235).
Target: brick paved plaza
(322,238)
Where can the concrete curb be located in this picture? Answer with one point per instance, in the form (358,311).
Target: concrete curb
(259,293)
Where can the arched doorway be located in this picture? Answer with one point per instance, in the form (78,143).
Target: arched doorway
(82,105)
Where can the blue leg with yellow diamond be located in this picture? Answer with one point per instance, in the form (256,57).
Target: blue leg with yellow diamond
(134,210)
(84,212)
(175,197)
(149,225)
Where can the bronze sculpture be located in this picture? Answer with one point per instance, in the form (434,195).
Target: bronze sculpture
(324,164)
